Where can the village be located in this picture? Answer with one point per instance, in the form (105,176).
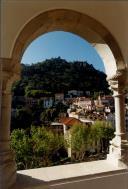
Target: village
(81,108)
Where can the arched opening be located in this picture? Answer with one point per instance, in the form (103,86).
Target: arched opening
(74,85)
(51,44)
(82,25)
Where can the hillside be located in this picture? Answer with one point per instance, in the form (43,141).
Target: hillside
(57,75)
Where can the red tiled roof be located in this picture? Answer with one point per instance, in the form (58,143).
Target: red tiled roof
(69,121)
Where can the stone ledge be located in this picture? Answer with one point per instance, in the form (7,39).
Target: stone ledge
(60,175)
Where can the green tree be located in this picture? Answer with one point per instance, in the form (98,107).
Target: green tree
(90,139)
(46,145)
(21,144)
(48,115)
(37,148)
(79,141)
(21,119)
(58,75)
(101,133)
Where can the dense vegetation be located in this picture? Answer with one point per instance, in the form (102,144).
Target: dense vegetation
(36,115)
(40,147)
(57,75)
(37,147)
(94,140)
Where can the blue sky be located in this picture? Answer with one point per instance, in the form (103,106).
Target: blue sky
(64,44)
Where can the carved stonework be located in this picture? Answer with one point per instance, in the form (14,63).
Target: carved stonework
(7,161)
(118,151)
(7,170)
(118,81)
(9,74)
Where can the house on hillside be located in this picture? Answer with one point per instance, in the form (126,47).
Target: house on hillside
(107,100)
(31,101)
(99,105)
(85,103)
(47,102)
(64,124)
(59,97)
(69,122)
(75,93)
(57,127)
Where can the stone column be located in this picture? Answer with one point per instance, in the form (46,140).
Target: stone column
(7,160)
(118,153)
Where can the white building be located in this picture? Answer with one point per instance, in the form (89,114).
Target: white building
(31,101)
(48,102)
(84,103)
(75,93)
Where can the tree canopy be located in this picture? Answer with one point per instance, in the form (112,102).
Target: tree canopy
(57,75)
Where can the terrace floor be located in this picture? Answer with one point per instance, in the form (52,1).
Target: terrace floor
(92,174)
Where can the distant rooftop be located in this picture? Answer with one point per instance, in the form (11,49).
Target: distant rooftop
(70,121)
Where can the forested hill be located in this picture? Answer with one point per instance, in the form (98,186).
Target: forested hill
(57,75)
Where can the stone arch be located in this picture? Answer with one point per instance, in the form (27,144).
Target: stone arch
(94,32)
(70,21)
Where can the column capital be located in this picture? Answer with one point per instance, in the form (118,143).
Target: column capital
(118,81)
(9,66)
(9,74)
